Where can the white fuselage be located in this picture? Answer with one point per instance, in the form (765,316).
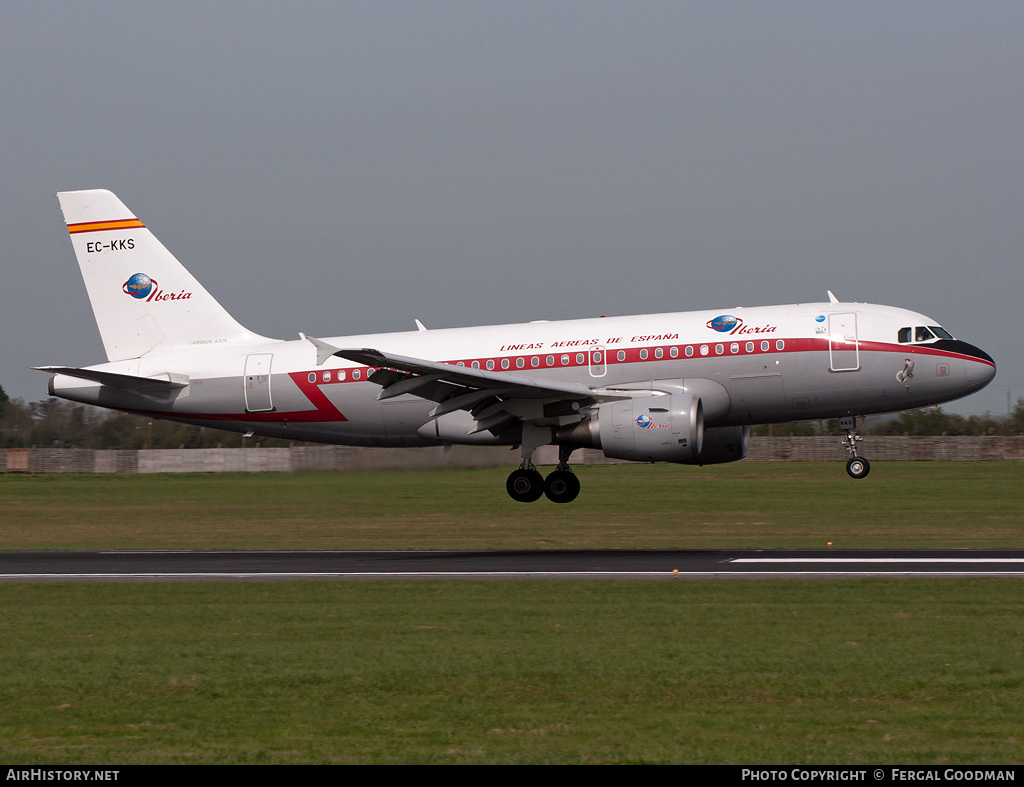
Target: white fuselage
(768,364)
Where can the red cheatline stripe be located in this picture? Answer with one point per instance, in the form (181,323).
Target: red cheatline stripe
(96,226)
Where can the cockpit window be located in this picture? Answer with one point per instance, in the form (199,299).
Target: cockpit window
(922,334)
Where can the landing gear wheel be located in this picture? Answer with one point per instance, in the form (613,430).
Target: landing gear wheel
(858,467)
(561,486)
(524,485)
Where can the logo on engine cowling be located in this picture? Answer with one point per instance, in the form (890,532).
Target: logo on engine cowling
(646,422)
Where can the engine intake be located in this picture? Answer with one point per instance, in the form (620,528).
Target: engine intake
(723,444)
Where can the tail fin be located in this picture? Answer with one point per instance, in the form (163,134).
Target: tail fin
(142,297)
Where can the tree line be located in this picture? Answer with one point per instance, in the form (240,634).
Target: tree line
(55,423)
(925,421)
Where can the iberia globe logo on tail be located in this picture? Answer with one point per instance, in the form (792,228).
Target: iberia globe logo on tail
(141,287)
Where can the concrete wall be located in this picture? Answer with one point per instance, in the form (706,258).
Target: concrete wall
(287,460)
(888,448)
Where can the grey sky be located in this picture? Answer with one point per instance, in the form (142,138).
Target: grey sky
(345,167)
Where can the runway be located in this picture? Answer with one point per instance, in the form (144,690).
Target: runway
(503,564)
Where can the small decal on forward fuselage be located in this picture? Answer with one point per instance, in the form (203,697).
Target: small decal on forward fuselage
(907,372)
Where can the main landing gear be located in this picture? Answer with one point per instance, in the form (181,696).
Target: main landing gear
(526,484)
(857,466)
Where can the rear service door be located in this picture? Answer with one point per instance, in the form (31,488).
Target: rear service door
(257,383)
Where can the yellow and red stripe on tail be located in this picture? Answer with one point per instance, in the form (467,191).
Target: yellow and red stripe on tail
(96,226)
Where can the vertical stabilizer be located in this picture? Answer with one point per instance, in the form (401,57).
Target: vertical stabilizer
(142,297)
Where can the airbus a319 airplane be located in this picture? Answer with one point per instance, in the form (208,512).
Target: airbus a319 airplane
(682,387)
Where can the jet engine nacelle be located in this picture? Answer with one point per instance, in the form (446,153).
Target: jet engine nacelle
(652,429)
(723,444)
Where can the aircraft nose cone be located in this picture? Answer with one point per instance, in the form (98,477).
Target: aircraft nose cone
(980,368)
(984,369)
(989,373)
(982,358)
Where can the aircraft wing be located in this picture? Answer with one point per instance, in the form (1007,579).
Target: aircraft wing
(492,398)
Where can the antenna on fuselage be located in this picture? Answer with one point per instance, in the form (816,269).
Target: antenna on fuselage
(832,298)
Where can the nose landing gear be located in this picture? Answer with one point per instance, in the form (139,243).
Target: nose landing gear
(857,466)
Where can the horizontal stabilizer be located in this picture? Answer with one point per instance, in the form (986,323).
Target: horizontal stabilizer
(168,383)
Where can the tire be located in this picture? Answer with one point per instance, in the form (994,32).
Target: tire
(525,486)
(858,467)
(561,486)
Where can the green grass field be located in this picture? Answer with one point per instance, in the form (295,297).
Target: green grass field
(769,505)
(851,671)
